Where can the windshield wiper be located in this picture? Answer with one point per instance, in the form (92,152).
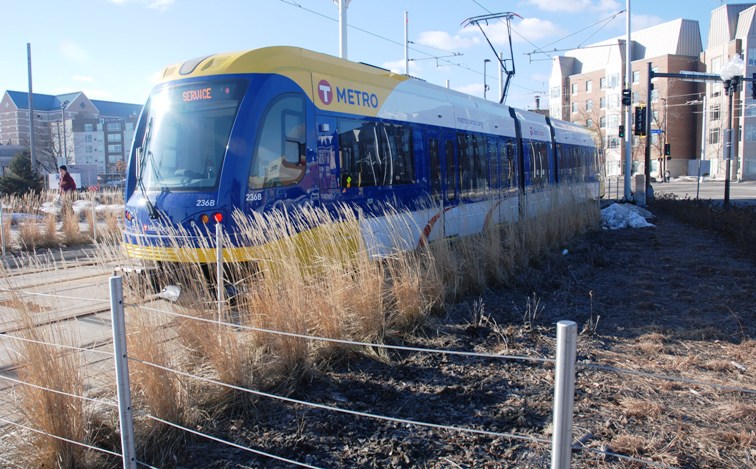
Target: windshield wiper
(139,180)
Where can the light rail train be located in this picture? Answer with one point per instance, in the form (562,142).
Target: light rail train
(283,127)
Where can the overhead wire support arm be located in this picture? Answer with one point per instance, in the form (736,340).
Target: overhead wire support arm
(477,20)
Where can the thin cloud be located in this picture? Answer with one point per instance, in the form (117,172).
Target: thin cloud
(82,79)
(397,66)
(575,6)
(151,4)
(644,21)
(445,41)
(73,51)
(534,29)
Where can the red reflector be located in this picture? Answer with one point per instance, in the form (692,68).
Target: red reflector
(218,217)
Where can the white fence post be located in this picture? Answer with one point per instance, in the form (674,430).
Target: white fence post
(122,373)
(219,261)
(2,228)
(564,394)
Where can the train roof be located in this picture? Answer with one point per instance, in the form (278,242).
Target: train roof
(338,85)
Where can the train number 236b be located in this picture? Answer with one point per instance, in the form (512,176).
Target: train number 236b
(205,203)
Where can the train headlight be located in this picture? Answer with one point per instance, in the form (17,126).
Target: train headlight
(128,215)
(204,218)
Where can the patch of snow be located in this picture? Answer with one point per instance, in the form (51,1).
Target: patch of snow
(619,216)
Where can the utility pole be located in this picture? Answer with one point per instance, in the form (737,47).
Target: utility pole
(628,109)
(406,42)
(342,4)
(31,111)
(485,78)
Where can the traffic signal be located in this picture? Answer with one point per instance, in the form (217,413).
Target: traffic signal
(667,149)
(753,86)
(640,120)
(622,131)
(626,99)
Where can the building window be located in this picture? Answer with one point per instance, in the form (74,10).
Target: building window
(636,76)
(612,121)
(602,83)
(614,80)
(716,89)
(750,133)
(589,123)
(554,91)
(613,101)
(588,86)
(716,65)
(713,136)
(574,88)
(574,108)
(614,142)
(602,122)
(714,112)
(88,138)
(602,103)
(114,137)
(115,148)
(87,127)
(636,97)
(114,126)
(589,105)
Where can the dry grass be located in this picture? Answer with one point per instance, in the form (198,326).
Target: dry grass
(313,277)
(52,413)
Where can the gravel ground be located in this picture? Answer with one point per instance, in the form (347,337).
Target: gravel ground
(669,299)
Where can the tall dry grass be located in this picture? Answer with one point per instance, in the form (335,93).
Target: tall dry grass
(60,413)
(313,277)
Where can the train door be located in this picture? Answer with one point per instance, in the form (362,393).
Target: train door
(451,182)
(328,170)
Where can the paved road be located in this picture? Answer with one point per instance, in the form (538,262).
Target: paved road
(741,193)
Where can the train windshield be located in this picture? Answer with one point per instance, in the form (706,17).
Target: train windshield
(186,134)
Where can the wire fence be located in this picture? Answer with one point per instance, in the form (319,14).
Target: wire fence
(562,415)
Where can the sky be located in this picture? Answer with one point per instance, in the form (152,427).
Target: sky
(115,49)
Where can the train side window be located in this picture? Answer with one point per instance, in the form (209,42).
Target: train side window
(375,154)
(278,158)
(494,165)
(451,174)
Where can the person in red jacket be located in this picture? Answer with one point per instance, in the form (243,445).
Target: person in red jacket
(67,183)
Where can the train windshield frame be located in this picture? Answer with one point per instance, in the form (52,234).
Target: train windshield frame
(186,136)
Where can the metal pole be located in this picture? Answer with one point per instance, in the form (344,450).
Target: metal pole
(219,264)
(628,111)
(564,394)
(485,81)
(63,118)
(94,217)
(501,74)
(703,147)
(406,42)
(31,111)
(122,373)
(342,4)
(2,229)
(729,139)
(647,131)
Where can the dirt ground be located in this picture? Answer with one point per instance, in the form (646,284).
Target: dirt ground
(671,300)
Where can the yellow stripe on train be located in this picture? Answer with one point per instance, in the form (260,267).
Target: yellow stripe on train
(331,83)
(330,241)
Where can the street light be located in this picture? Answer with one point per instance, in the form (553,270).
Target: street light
(63,121)
(663,162)
(485,85)
(732,75)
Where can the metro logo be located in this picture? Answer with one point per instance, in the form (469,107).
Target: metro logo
(325,92)
(346,96)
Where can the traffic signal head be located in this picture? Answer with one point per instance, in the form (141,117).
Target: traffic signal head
(753,86)
(622,131)
(667,149)
(626,99)
(640,120)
